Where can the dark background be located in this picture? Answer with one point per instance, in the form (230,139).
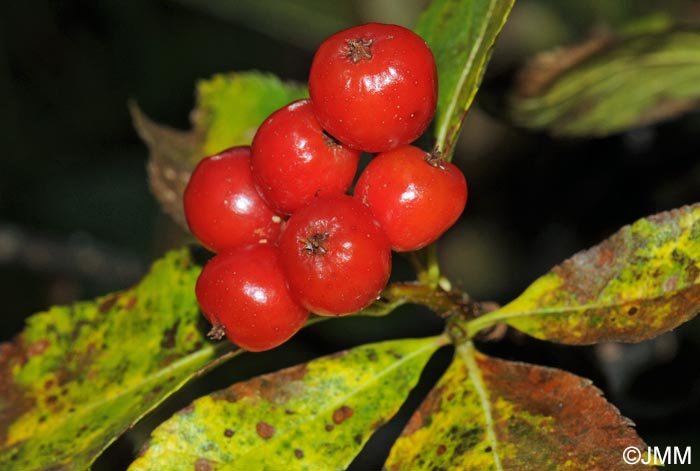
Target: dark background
(77,219)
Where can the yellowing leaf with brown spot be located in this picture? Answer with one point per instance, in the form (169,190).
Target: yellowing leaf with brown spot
(316,415)
(639,283)
(78,376)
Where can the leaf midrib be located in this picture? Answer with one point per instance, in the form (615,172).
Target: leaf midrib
(466,353)
(497,316)
(96,404)
(452,104)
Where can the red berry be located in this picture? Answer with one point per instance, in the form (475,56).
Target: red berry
(336,256)
(245,292)
(414,196)
(222,206)
(374,86)
(293,160)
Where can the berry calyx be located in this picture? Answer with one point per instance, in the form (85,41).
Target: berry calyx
(374,86)
(415,196)
(294,159)
(222,207)
(244,294)
(359,50)
(336,257)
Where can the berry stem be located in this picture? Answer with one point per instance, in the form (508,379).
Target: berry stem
(463,315)
(427,267)
(445,304)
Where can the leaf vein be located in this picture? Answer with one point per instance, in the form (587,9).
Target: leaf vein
(466,352)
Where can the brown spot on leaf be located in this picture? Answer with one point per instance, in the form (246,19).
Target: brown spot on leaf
(152,394)
(131,303)
(108,303)
(395,354)
(420,417)
(277,387)
(632,311)
(169,336)
(341,414)
(358,439)
(329,428)
(339,354)
(605,257)
(298,453)
(264,430)
(187,410)
(229,433)
(378,423)
(441,450)
(38,347)
(203,464)
(671,283)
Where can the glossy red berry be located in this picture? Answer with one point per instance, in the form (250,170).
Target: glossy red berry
(336,257)
(222,206)
(374,86)
(414,196)
(293,160)
(244,293)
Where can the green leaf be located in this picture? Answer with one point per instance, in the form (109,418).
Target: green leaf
(316,415)
(642,281)
(79,376)
(610,84)
(229,110)
(461,34)
(489,414)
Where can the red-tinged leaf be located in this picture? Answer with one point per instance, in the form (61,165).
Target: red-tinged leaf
(489,414)
(639,283)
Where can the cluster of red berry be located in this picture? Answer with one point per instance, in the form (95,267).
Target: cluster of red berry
(289,239)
